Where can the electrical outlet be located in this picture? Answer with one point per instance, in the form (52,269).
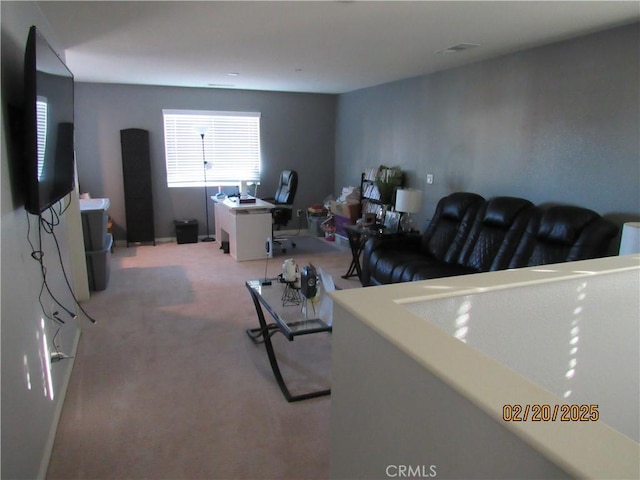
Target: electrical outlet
(298,213)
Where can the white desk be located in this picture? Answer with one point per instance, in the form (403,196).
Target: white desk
(246,226)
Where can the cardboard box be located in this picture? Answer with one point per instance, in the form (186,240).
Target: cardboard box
(351,212)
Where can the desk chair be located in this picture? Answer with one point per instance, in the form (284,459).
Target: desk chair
(283,199)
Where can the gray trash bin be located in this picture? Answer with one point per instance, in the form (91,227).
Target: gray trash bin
(314,225)
(99,265)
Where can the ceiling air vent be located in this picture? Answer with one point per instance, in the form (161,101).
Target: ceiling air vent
(458,48)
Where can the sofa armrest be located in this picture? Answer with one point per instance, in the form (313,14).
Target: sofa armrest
(407,243)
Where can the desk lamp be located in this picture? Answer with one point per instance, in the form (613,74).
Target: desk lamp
(408,201)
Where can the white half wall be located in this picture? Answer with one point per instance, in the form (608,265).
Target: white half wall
(411,390)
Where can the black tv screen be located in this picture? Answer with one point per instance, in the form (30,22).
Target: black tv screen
(50,162)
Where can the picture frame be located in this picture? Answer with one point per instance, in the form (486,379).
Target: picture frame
(368,219)
(392,222)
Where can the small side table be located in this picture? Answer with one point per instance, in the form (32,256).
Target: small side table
(357,236)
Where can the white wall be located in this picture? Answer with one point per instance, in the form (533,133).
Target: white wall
(32,389)
(388,412)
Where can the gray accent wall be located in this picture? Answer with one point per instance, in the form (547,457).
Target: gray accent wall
(297,132)
(554,124)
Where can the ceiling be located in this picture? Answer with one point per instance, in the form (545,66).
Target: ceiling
(306,46)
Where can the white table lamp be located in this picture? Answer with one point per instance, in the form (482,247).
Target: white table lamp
(408,201)
(630,239)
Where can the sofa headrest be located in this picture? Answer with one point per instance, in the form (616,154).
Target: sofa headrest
(455,206)
(502,211)
(563,224)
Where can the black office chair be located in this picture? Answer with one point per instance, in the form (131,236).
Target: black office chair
(283,199)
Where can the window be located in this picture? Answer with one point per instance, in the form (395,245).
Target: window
(41,125)
(231,147)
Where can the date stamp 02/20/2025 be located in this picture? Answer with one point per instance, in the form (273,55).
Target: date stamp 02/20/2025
(550,413)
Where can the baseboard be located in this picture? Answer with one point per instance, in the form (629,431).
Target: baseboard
(290,233)
(170,239)
(48,447)
(123,243)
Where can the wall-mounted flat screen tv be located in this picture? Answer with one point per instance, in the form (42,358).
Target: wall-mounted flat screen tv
(48,122)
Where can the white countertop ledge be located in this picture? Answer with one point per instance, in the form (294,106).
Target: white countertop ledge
(551,335)
(87,204)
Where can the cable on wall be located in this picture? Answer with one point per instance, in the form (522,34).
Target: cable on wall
(38,256)
(47,225)
(66,279)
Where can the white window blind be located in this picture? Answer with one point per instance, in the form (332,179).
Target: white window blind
(231,147)
(41,125)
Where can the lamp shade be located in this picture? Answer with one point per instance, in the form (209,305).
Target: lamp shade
(408,200)
(630,239)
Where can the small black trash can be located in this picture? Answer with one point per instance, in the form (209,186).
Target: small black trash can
(186,230)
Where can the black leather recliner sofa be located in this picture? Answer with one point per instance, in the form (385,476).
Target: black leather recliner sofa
(469,234)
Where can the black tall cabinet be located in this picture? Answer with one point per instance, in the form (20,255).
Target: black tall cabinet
(138,198)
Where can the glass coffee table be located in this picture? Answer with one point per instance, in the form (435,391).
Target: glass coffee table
(290,314)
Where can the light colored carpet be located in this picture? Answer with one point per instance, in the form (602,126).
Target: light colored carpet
(168,386)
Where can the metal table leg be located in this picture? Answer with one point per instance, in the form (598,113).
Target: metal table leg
(356,244)
(266,331)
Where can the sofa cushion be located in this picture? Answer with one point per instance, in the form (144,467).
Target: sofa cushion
(495,234)
(502,211)
(427,271)
(387,266)
(563,224)
(563,234)
(441,242)
(450,225)
(377,247)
